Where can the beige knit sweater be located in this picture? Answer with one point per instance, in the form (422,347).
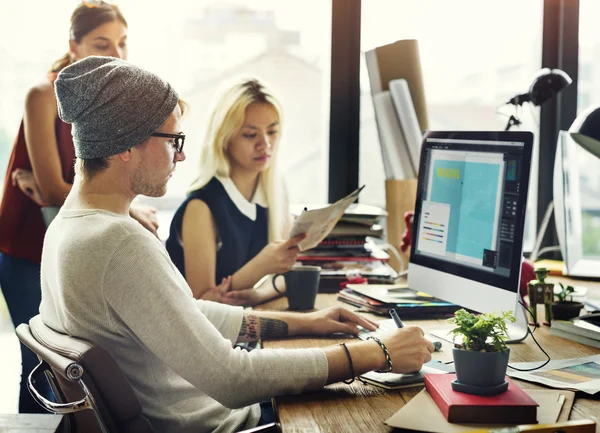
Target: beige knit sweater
(108,280)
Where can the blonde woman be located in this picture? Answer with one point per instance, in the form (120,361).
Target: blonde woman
(228,233)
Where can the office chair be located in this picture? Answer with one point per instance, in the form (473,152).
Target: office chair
(90,387)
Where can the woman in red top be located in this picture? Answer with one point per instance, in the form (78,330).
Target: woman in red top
(40,172)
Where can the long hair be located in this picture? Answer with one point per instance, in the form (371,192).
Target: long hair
(85,18)
(226,119)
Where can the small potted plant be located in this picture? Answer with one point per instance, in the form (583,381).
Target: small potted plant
(481,359)
(563,309)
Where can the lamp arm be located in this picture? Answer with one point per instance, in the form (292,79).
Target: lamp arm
(519,99)
(512,121)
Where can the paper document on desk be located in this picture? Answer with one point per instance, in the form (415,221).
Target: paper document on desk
(318,223)
(390,293)
(579,374)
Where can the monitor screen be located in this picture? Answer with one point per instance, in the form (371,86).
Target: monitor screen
(469,217)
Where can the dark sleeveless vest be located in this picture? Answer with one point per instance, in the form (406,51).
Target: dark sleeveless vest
(240,238)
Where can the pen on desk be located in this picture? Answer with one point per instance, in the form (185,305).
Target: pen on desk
(396,318)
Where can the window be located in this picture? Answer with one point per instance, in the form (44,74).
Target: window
(25,57)
(209,41)
(474,56)
(195,44)
(588,95)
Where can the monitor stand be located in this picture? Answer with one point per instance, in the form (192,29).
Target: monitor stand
(517,332)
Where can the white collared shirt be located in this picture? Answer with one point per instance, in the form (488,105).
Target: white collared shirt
(246,207)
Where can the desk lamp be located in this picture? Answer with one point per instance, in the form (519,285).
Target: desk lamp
(585,130)
(546,84)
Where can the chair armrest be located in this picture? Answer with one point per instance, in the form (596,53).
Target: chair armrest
(50,406)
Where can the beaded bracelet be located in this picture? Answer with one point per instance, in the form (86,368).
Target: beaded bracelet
(388,358)
(349,381)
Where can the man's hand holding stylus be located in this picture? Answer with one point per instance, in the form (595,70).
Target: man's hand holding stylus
(409,349)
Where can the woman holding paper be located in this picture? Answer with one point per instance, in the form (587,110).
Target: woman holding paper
(229,232)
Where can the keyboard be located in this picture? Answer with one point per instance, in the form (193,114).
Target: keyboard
(390,325)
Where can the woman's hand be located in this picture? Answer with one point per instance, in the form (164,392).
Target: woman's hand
(247,297)
(224,287)
(146,216)
(25,181)
(278,256)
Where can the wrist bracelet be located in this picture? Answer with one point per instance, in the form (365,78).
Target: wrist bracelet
(388,358)
(349,381)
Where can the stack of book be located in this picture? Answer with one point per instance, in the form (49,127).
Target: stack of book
(583,329)
(350,250)
(380,299)
(450,411)
(514,406)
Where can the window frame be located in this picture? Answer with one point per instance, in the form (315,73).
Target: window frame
(560,49)
(344,113)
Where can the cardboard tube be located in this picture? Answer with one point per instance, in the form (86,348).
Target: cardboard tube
(400,197)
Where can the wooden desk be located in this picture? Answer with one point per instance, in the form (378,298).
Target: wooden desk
(361,408)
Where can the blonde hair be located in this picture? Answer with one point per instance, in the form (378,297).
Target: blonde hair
(226,119)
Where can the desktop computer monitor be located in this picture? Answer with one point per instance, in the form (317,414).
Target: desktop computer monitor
(469,220)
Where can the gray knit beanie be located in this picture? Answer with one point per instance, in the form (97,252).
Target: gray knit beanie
(112,104)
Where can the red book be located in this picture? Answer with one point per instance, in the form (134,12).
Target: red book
(513,406)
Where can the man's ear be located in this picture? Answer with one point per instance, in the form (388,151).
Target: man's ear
(125,156)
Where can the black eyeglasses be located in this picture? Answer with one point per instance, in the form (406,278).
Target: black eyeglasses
(179,139)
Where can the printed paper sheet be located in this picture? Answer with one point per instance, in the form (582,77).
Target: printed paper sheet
(318,223)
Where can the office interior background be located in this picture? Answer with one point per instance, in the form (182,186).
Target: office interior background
(475,56)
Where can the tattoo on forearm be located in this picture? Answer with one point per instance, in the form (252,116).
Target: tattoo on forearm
(255,328)
(248,332)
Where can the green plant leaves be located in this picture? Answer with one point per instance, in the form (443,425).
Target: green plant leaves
(482,332)
(565,291)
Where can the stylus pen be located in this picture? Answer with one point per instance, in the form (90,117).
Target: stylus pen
(396,318)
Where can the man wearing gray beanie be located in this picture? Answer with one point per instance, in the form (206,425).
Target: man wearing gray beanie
(112,105)
(107,280)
